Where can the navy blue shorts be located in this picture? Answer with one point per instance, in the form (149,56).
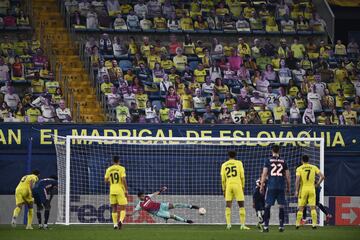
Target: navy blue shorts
(273,195)
(39,198)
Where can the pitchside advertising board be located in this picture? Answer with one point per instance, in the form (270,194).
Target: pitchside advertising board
(342,162)
(346,210)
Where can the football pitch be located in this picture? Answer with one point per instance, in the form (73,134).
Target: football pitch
(175,232)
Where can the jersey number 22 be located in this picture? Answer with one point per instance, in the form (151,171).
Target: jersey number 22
(276,170)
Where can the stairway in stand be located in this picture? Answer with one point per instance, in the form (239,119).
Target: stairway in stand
(47,15)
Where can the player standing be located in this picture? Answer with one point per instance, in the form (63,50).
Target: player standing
(305,175)
(277,174)
(116,176)
(24,196)
(323,208)
(43,192)
(233,184)
(259,204)
(160,210)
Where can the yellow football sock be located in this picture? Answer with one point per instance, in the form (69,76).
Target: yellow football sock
(242,215)
(299,215)
(314,217)
(114,216)
(122,215)
(17,211)
(228,215)
(30,216)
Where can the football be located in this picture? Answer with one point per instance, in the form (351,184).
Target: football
(202,211)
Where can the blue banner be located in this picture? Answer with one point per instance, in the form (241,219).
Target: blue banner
(342,153)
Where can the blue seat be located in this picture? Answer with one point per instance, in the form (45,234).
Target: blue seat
(156,103)
(125,65)
(193,65)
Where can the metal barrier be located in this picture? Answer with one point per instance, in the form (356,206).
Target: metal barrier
(325,12)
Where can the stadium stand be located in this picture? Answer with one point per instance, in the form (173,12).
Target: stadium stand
(277,71)
(237,62)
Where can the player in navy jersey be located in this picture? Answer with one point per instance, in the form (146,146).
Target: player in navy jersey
(43,192)
(161,210)
(259,204)
(278,179)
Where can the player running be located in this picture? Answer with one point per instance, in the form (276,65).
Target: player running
(277,174)
(259,204)
(24,196)
(161,210)
(116,176)
(233,183)
(305,176)
(43,192)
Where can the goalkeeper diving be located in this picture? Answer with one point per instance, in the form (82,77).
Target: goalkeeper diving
(160,209)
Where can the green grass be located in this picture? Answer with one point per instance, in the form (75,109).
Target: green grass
(171,232)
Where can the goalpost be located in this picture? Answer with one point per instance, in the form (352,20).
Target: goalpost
(189,167)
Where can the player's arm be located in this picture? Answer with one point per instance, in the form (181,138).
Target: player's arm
(297,185)
(223,179)
(321,179)
(136,209)
(107,177)
(123,181)
(263,179)
(154,194)
(242,176)
(287,176)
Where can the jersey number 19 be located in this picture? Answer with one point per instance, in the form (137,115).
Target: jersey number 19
(114,177)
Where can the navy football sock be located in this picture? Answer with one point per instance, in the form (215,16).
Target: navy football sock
(281,217)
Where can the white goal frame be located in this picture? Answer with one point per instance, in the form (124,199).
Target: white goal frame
(172,140)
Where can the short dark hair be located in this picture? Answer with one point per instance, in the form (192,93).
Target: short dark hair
(54,177)
(276,148)
(116,159)
(305,158)
(232,154)
(140,193)
(36,172)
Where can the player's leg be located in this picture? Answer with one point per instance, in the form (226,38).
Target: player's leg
(324,209)
(281,201)
(229,196)
(303,219)
(30,215)
(46,213)
(180,219)
(302,201)
(269,201)
(19,203)
(182,205)
(240,198)
(114,210)
(122,201)
(39,208)
(312,203)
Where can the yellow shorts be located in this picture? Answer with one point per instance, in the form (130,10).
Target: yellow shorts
(234,191)
(23,196)
(307,196)
(119,199)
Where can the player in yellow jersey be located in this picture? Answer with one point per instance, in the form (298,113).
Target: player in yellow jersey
(23,196)
(305,177)
(116,176)
(233,183)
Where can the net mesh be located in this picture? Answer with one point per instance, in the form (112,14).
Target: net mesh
(190,170)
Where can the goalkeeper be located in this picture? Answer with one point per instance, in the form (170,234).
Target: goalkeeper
(161,210)
(259,204)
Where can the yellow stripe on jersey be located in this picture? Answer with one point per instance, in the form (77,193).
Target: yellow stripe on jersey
(307,174)
(114,174)
(232,172)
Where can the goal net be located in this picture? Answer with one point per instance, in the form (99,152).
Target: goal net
(189,167)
